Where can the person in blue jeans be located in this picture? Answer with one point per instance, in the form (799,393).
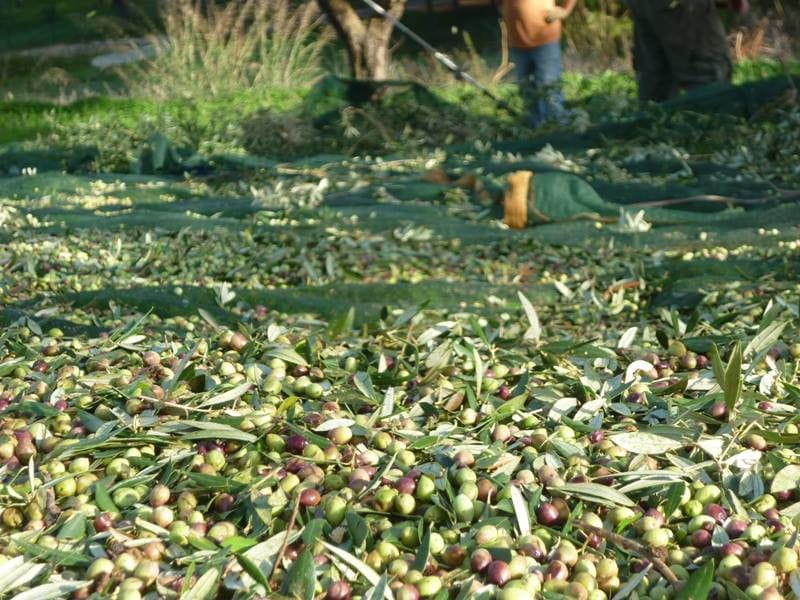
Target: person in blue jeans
(534,35)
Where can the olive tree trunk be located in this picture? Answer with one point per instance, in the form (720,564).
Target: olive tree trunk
(366,40)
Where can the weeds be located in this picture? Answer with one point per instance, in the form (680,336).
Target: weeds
(216,52)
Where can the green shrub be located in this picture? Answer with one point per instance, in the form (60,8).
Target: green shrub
(215,52)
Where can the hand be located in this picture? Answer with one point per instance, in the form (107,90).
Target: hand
(559,14)
(740,7)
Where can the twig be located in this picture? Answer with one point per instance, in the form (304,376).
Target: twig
(289,528)
(715,199)
(636,548)
(629,284)
(505,65)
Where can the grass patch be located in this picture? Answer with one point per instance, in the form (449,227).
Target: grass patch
(253,45)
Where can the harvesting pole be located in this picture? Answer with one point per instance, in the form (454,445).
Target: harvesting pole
(441,57)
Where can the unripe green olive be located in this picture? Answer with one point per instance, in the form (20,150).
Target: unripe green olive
(126,562)
(335,509)
(784,560)
(125,497)
(429,586)
(657,538)
(404,504)
(99,568)
(437,544)
(763,575)
(464,508)
(708,494)
(67,487)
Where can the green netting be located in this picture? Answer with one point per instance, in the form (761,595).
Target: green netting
(581,210)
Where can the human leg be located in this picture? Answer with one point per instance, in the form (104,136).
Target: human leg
(547,76)
(523,65)
(701,54)
(650,61)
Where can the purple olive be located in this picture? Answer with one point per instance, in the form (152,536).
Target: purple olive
(735,528)
(701,538)
(547,514)
(716,512)
(296,444)
(597,436)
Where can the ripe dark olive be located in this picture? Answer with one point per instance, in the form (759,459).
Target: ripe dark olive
(338,590)
(533,550)
(755,441)
(405,485)
(547,514)
(480,560)
(634,398)
(453,555)
(657,515)
(296,444)
(498,573)
(486,489)
(563,509)
(310,497)
(716,512)
(701,538)
(224,502)
(556,570)
(783,495)
(593,541)
(719,410)
(602,475)
(736,528)
(772,513)
(406,592)
(597,436)
(732,549)
(238,341)
(638,566)
(103,522)
(774,525)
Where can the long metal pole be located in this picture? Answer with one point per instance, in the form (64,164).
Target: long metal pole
(444,59)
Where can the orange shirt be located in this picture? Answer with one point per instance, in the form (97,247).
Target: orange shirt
(527,25)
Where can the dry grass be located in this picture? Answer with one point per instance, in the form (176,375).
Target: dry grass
(212,51)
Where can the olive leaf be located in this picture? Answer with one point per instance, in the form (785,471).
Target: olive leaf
(520,511)
(733,378)
(301,580)
(205,587)
(786,479)
(423,552)
(359,565)
(17,572)
(626,590)
(288,355)
(597,494)
(52,591)
(642,442)
(534,331)
(698,586)
(380,588)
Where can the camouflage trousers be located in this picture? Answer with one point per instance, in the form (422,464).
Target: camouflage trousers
(678,45)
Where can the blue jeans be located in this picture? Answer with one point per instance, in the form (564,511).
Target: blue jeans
(539,76)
